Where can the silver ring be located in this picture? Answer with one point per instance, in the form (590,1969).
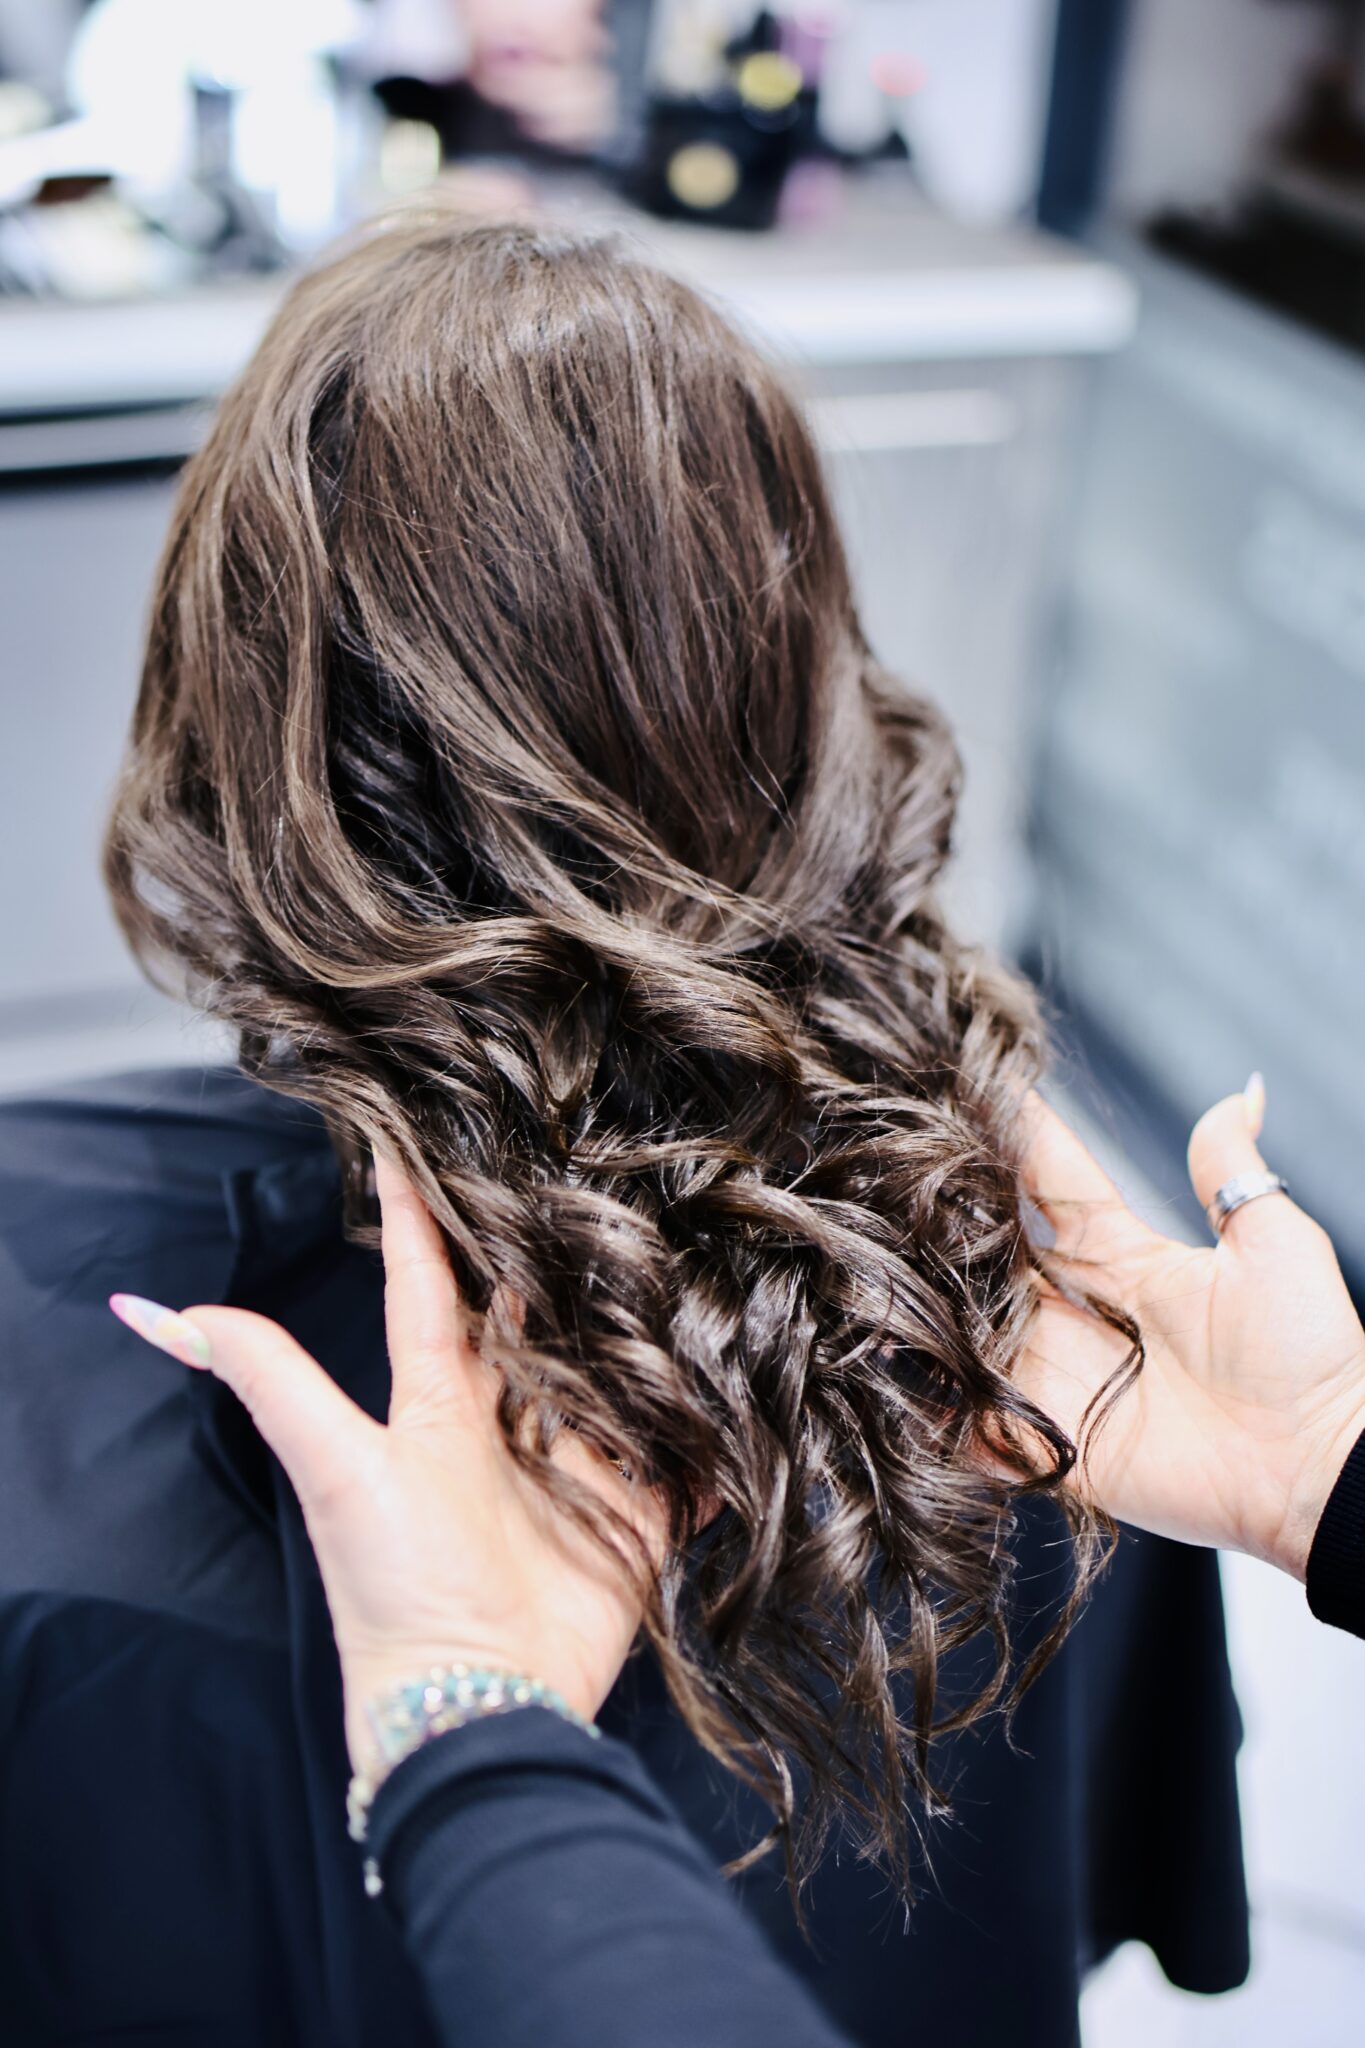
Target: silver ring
(1237,1192)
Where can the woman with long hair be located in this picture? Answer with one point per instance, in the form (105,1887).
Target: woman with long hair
(510,770)
(511,773)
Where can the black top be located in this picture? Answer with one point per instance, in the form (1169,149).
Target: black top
(174,1865)
(623,1933)
(548,1893)
(1336,1562)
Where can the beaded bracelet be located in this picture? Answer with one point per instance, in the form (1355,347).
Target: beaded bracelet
(448,1696)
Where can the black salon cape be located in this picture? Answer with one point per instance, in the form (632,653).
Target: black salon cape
(174,1865)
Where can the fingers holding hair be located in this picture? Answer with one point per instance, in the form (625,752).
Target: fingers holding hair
(1087,1211)
(433,1355)
(436,1360)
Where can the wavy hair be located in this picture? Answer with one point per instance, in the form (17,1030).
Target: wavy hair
(511,771)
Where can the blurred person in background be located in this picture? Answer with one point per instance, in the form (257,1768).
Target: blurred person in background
(498,76)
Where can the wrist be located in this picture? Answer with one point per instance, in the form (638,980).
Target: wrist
(432,1702)
(375,1678)
(1312,1490)
(373,1681)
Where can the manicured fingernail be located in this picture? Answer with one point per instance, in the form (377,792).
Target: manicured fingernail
(164,1327)
(1254,1096)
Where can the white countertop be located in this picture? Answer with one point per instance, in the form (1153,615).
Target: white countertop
(890,281)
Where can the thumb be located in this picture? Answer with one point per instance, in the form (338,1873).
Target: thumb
(322,1439)
(1223,1145)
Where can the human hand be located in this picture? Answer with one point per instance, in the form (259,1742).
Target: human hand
(1253,1391)
(434,1547)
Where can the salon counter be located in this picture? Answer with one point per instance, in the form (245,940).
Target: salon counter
(943,366)
(887,281)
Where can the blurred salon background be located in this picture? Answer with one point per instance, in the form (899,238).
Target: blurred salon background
(1076,289)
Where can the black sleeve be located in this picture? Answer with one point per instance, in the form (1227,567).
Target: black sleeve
(547,1893)
(1336,1563)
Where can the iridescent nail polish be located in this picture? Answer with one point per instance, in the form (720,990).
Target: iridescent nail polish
(1254,1096)
(164,1327)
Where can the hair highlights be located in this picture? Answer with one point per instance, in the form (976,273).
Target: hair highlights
(511,771)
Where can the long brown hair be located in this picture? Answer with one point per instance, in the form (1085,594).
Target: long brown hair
(511,770)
